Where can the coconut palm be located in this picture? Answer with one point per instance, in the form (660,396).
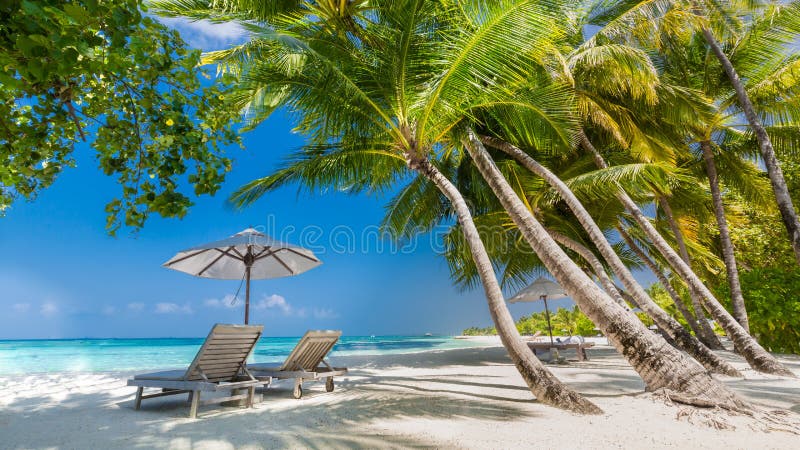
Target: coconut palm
(782,25)
(625,332)
(740,54)
(620,17)
(707,333)
(604,74)
(662,278)
(402,95)
(687,61)
(684,339)
(619,65)
(374,108)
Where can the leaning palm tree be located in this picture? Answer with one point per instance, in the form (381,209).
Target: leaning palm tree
(403,95)
(686,60)
(636,65)
(640,297)
(781,24)
(363,107)
(621,21)
(720,25)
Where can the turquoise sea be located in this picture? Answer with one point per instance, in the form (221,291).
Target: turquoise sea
(118,355)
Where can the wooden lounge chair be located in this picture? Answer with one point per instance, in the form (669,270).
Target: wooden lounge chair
(220,365)
(306,362)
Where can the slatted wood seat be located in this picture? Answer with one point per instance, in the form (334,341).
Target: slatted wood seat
(220,365)
(305,363)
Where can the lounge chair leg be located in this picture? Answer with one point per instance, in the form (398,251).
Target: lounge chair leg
(195,401)
(298,388)
(138,403)
(251,394)
(329,384)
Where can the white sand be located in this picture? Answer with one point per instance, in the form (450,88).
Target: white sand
(466,398)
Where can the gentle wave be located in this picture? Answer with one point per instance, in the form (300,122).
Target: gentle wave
(117,355)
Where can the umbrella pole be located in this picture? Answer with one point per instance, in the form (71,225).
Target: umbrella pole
(546,315)
(247,297)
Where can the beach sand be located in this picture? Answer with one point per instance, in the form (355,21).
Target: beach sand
(463,398)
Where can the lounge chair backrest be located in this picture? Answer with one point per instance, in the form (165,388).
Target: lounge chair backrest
(224,352)
(311,350)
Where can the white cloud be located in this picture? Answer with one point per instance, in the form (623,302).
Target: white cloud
(173,308)
(108,310)
(136,306)
(205,35)
(229,301)
(21,307)
(274,302)
(48,309)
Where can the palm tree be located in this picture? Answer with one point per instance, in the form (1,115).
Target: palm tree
(737,298)
(707,333)
(756,356)
(777,26)
(629,335)
(687,61)
(621,19)
(675,330)
(601,76)
(637,66)
(372,107)
(402,96)
(658,272)
(782,23)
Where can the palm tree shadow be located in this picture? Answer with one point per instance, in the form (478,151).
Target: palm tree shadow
(339,419)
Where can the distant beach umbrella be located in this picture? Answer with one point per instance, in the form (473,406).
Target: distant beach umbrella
(541,289)
(246,255)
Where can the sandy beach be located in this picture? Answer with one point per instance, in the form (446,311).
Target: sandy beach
(462,398)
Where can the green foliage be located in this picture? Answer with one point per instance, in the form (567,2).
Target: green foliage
(769,276)
(564,321)
(102,72)
(772,306)
(475,331)
(659,295)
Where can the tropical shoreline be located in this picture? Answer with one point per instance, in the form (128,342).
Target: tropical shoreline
(457,398)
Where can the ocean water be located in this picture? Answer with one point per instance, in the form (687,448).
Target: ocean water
(119,355)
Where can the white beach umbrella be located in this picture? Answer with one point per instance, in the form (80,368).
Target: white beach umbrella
(541,289)
(248,254)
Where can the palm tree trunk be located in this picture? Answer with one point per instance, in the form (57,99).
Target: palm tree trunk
(707,335)
(737,298)
(659,364)
(546,387)
(676,299)
(594,262)
(672,327)
(779,188)
(756,356)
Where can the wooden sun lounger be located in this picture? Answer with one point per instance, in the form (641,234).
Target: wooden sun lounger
(220,365)
(306,362)
(580,347)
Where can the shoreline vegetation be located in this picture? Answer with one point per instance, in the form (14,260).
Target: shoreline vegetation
(564,321)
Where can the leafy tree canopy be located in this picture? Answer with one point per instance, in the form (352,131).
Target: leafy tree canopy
(104,73)
(565,321)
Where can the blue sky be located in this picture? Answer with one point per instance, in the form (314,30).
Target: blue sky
(62,276)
